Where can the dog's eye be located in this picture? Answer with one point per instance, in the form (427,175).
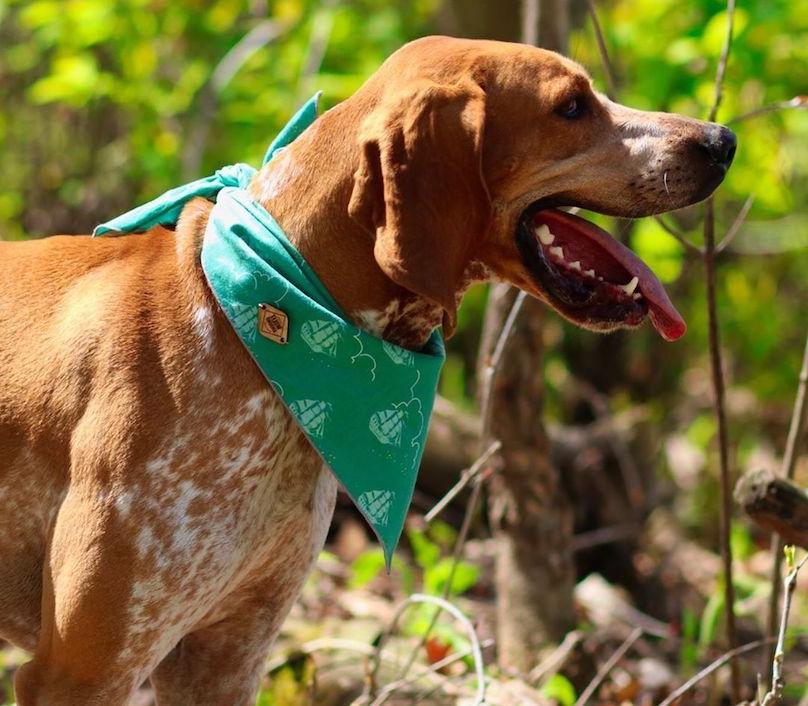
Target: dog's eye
(571,109)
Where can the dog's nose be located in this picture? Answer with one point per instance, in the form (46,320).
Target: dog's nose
(719,143)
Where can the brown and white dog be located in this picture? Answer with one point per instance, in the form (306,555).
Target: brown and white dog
(160,508)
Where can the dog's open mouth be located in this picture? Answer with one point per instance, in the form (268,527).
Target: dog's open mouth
(590,277)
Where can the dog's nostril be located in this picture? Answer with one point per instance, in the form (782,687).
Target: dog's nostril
(719,143)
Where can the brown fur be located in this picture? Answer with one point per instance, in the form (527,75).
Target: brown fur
(160,507)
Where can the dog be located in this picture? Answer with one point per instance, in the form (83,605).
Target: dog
(161,508)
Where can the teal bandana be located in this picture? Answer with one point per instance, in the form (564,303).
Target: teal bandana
(364,403)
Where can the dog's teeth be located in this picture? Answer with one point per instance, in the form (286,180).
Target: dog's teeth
(631,286)
(545,236)
(637,295)
(575,265)
(558,252)
(590,273)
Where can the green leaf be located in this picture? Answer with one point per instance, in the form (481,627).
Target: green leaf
(711,619)
(425,550)
(366,567)
(465,576)
(560,689)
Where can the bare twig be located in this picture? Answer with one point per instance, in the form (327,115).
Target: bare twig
(466,477)
(681,237)
(717,369)
(603,535)
(321,25)
(492,368)
(603,672)
(775,694)
(713,666)
(722,62)
(795,102)
(612,84)
(553,662)
(787,470)
(798,415)
(531,17)
(259,36)
(442,605)
(716,366)
(732,231)
(608,70)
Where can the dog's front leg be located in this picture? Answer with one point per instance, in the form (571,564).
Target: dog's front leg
(85,654)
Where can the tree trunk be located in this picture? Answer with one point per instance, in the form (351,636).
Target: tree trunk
(530,514)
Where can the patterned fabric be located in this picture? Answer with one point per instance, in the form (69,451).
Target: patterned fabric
(364,403)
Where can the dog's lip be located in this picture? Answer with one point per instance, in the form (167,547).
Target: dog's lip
(617,263)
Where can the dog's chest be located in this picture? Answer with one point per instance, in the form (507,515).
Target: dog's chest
(237,499)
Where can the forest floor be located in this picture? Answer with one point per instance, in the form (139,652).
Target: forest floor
(327,647)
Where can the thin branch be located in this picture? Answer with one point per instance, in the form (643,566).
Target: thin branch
(603,535)
(713,666)
(603,672)
(795,102)
(531,17)
(717,369)
(690,247)
(458,550)
(321,26)
(432,670)
(787,470)
(732,231)
(795,430)
(608,70)
(443,605)
(557,658)
(775,695)
(722,62)
(259,36)
(466,477)
(492,368)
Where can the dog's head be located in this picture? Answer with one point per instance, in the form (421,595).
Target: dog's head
(469,147)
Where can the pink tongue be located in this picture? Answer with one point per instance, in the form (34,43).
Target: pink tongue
(666,320)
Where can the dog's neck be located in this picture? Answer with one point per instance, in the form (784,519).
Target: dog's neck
(306,188)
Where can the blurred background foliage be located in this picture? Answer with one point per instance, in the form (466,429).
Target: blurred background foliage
(106,103)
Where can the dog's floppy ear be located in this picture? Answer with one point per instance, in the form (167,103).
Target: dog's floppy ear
(419,189)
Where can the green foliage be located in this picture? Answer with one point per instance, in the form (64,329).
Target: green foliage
(291,685)
(108,95)
(689,649)
(560,689)
(370,564)
(426,546)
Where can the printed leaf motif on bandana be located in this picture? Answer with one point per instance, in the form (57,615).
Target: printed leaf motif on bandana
(245,320)
(387,425)
(376,504)
(321,336)
(312,415)
(400,356)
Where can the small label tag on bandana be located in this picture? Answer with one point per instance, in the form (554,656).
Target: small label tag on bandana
(273,323)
